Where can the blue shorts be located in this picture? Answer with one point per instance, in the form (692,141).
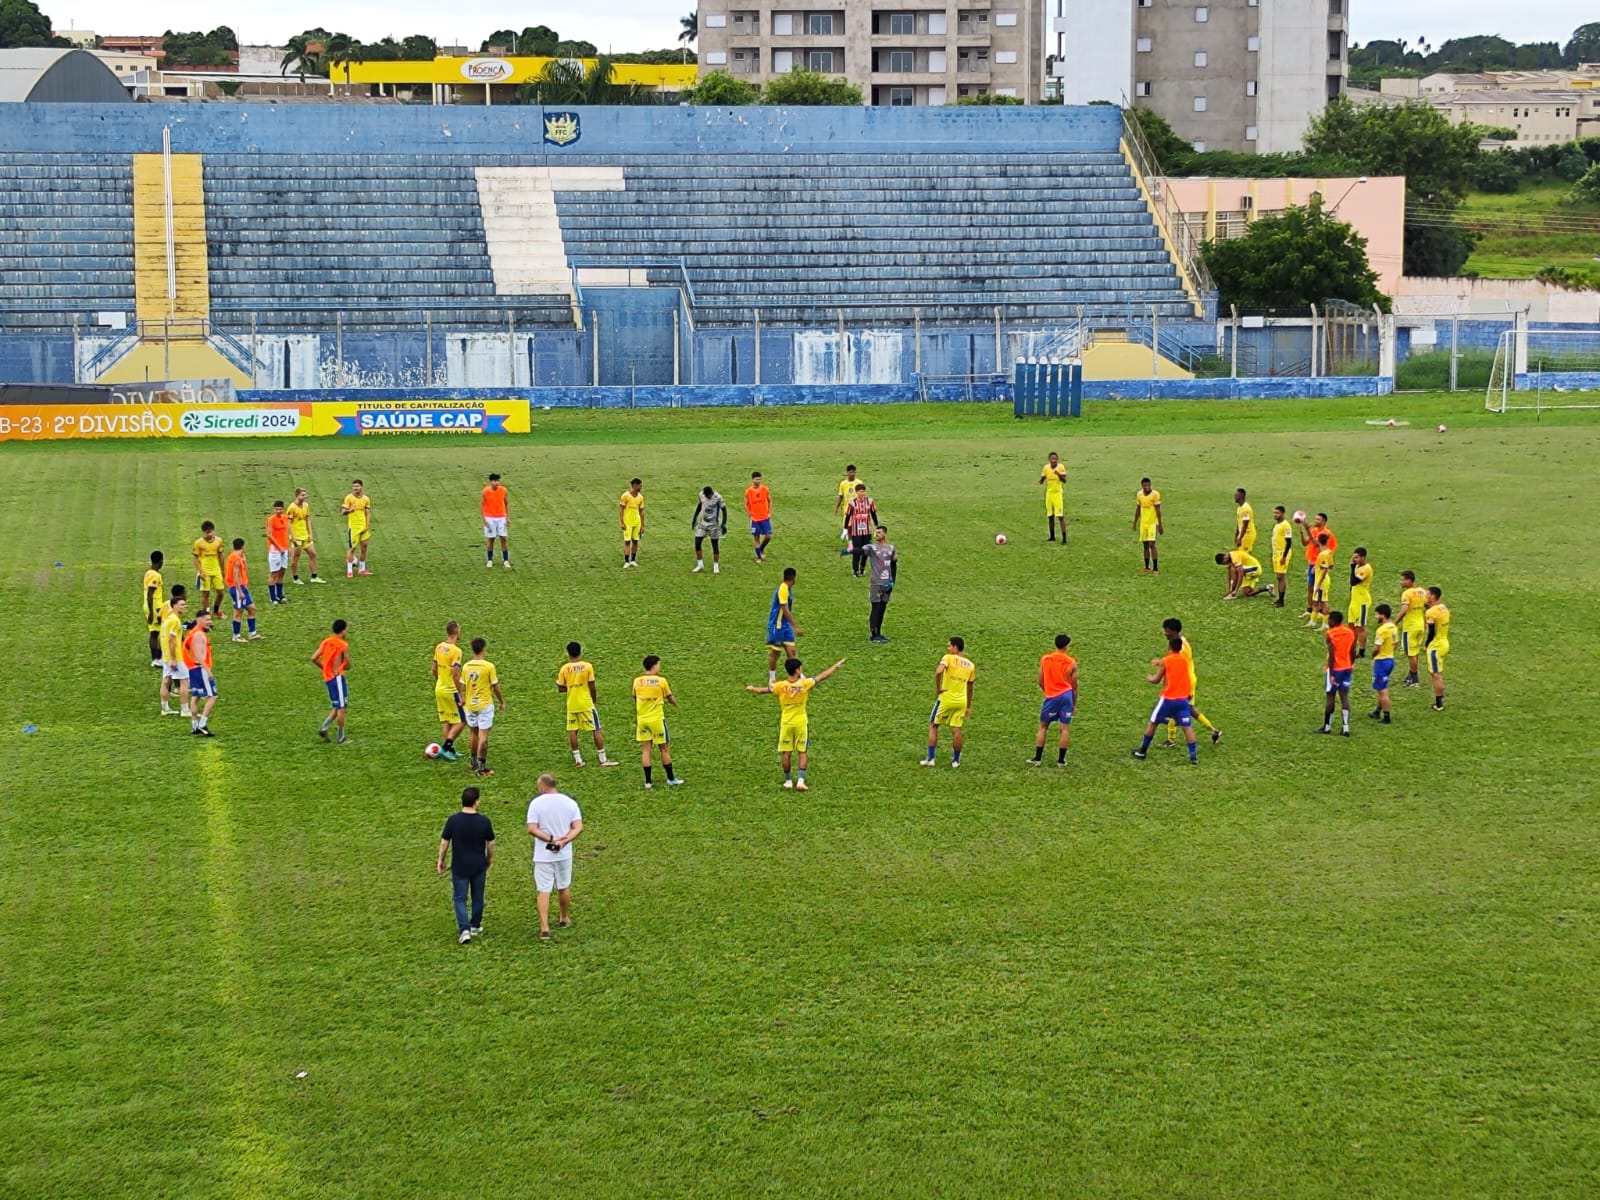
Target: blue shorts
(240,597)
(761,528)
(1172,710)
(202,682)
(1382,668)
(1311,574)
(338,692)
(1057,708)
(779,636)
(1339,681)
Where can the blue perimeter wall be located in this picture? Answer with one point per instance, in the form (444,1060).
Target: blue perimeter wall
(626,130)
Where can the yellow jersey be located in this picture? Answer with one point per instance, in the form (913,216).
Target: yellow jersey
(446,657)
(1324,569)
(1244,559)
(1242,514)
(478,678)
(299,521)
(632,507)
(576,678)
(847,488)
(1282,542)
(792,695)
(171,637)
(650,694)
(1053,477)
(1416,603)
(1148,503)
(1361,584)
(1188,657)
(210,555)
(360,514)
(1439,617)
(150,597)
(958,672)
(1384,640)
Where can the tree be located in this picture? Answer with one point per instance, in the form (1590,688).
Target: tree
(564,81)
(803,88)
(419,47)
(656,57)
(1166,147)
(22,24)
(690,28)
(721,89)
(988,98)
(1293,260)
(303,53)
(538,40)
(1587,189)
(1584,45)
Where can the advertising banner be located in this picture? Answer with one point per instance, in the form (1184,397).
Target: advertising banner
(362,418)
(48,422)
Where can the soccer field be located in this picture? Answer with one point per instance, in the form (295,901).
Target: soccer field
(1309,967)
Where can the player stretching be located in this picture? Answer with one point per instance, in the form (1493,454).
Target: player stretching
(480,692)
(1341,669)
(277,552)
(153,588)
(202,684)
(758,503)
(1438,644)
(496,522)
(782,630)
(207,553)
(1413,621)
(1051,476)
(1147,524)
(651,694)
(237,576)
(710,520)
(301,537)
(446,667)
(1384,640)
(1058,680)
(794,731)
(575,680)
(1174,676)
(172,669)
(952,685)
(357,510)
(1244,522)
(630,511)
(1282,552)
(1360,609)
(333,656)
(1244,575)
(1173,628)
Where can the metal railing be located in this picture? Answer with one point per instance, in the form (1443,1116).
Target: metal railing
(1168,217)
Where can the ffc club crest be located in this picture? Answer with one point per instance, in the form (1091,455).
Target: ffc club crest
(561,129)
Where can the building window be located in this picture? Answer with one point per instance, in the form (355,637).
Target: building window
(1005,91)
(936,23)
(1335,46)
(782,61)
(972,23)
(1005,56)
(1199,104)
(716,20)
(1142,45)
(1142,88)
(972,60)
(936,65)
(902,97)
(1146,3)
(902,61)
(744,63)
(819,24)
(1249,133)
(1199,147)
(902,24)
(1252,44)
(1199,58)
(1202,13)
(716,58)
(936,95)
(782,24)
(1250,87)
(820,61)
(1005,18)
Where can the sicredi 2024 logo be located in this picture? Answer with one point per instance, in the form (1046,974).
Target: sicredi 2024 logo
(487,70)
(219,421)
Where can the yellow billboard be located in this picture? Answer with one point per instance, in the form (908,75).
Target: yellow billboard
(482,70)
(354,418)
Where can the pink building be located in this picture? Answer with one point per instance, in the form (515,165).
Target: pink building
(1218,209)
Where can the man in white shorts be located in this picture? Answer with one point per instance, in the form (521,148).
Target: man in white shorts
(554,823)
(480,692)
(174,675)
(496,520)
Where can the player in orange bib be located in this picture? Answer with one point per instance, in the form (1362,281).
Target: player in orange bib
(277,552)
(496,521)
(237,578)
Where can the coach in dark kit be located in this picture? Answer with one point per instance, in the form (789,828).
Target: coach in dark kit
(883,565)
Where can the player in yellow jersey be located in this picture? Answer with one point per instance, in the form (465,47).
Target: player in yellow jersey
(1438,644)
(302,538)
(847,493)
(1244,522)
(173,669)
(1244,575)
(1413,622)
(952,686)
(576,681)
(1321,584)
(208,549)
(1384,641)
(651,694)
(794,729)
(1051,477)
(1282,552)
(357,511)
(1173,628)
(1360,607)
(446,667)
(630,511)
(151,595)
(1147,523)
(480,693)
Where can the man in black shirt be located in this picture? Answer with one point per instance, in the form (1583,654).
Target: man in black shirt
(472,834)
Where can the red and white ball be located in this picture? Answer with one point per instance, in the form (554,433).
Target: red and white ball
(1299,516)
(432,750)
(999,539)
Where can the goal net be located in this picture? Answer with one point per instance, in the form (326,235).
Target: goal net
(1544,368)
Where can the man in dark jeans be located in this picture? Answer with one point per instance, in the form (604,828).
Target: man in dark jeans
(472,835)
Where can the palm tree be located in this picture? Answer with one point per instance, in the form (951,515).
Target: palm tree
(690,32)
(566,81)
(301,57)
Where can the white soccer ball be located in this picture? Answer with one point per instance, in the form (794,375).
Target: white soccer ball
(1299,516)
(1391,422)
(999,539)
(1441,429)
(432,750)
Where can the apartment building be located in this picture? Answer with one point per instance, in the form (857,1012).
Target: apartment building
(1243,75)
(898,52)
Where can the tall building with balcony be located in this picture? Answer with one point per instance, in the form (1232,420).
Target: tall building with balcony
(898,52)
(1243,75)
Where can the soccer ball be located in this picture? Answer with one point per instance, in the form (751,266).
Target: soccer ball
(432,750)
(1441,429)
(1391,422)
(1299,516)
(999,539)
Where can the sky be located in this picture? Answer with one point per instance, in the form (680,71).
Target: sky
(651,24)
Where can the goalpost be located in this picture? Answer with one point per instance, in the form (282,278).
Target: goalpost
(1535,369)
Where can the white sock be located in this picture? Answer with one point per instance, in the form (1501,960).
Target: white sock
(577,758)
(772,678)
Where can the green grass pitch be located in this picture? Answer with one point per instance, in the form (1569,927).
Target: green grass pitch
(1310,967)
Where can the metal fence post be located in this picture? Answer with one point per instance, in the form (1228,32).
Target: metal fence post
(1455,352)
(338,348)
(255,358)
(166,346)
(1155,342)
(839,374)
(756,314)
(916,351)
(999,362)
(511,345)
(1313,341)
(594,349)
(1234,329)
(677,349)
(427,350)
(75,348)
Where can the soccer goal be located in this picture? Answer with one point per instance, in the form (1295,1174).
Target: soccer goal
(1535,369)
